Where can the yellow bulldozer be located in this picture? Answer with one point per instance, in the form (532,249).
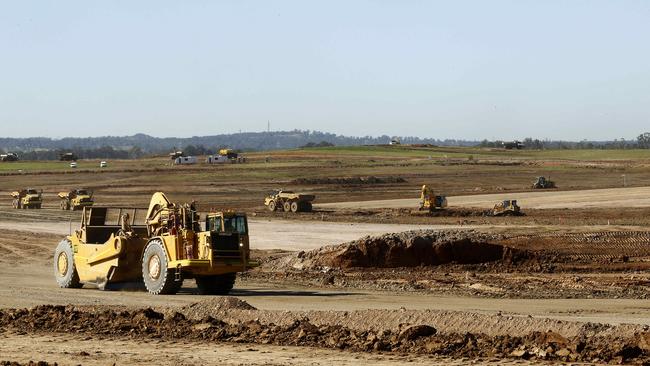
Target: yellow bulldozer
(506,208)
(76,199)
(27,198)
(158,247)
(430,201)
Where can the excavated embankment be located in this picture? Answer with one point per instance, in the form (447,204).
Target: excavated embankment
(406,249)
(421,339)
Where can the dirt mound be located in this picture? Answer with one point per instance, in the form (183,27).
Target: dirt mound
(350,180)
(214,306)
(418,338)
(406,249)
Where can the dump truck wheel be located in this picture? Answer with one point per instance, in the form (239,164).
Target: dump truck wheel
(287,207)
(216,285)
(158,279)
(272,206)
(294,206)
(65,270)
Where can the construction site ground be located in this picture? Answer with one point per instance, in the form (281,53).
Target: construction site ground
(567,282)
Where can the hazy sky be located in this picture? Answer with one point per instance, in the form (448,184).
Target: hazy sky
(446,69)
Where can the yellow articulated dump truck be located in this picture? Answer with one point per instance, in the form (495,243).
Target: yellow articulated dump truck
(76,199)
(158,247)
(27,198)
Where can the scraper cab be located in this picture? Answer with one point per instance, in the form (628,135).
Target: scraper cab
(158,247)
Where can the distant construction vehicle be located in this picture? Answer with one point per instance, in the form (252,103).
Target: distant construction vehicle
(9,157)
(160,247)
(543,183)
(430,201)
(513,145)
(68,157)
(176,154)
(289,201)
(27,198)
(76,199)
(506,208)
(225,156)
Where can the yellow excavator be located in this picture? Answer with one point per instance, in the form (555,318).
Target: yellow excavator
(430,201)
(158,247)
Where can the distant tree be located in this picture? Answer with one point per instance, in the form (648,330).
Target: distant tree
(135,152)
(643,141)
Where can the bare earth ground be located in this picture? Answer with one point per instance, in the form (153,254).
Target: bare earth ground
(548,199)
(32,284)
(584,275)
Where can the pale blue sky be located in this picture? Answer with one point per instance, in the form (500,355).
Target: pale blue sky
(445,69)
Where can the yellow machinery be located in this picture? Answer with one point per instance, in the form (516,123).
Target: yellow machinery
(429,201)
(289,201)
(160,248)
(76,199)
(229,155)
(27,198)
(506,208)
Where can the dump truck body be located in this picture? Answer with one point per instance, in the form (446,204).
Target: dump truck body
(27,199)
(76,199)
(289,201)
(157,247)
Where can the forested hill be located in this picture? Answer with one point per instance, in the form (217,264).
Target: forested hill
(242,141)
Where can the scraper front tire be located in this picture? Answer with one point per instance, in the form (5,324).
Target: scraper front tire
(158,279)
(65,271)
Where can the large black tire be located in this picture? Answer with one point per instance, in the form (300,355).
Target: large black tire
(286,206)
(65,271)
(294,206)
(15,204)
(272,206)
(157,278)
(217,284)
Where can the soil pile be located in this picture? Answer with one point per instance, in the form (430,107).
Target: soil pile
(406,249)
(421,338)
(214,306)
(349,180)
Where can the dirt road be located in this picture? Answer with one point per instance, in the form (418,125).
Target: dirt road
(77,350)
(265,234)
(611,197)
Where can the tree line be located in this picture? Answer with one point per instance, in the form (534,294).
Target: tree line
(641,142)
